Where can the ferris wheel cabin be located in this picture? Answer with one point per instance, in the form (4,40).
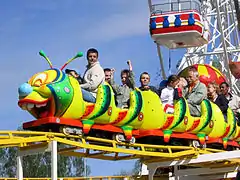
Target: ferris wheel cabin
(178,24)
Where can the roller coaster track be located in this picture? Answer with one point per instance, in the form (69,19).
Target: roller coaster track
(31,142)
(97,148)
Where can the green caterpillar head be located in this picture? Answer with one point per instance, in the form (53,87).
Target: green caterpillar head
(48,93)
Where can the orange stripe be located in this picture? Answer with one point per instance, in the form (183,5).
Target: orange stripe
(121,116)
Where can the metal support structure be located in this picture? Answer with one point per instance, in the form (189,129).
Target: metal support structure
(37,142)
(222,19)
(150,5)
(176,173)
(158,48)
(161,61)
(54,160)
(225,54)
(152,171)
(201,173)
(220,15)
(206,173)
(35,149)
(19,168)
(220,156)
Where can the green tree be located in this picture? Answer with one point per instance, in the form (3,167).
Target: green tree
(137,167)
(133,172)
(39,165)
(9,161)
(2,153)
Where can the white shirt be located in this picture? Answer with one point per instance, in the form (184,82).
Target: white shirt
(167,95)
(93,77)
(234,102)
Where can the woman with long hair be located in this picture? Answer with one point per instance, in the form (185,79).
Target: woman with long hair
(218,99)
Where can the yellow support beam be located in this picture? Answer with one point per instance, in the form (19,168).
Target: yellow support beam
(84,178)
(98,148)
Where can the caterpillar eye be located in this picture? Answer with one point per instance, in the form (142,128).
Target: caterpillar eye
(42,78)
(39,79)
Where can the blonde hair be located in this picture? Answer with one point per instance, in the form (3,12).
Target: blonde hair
(215,86)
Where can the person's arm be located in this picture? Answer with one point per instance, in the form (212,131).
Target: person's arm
(97,77)
(238,102)
(131,74)
(114,86)
(185,91)
(164,96)
(130,65)
(177,94)
(199,95)
(223,105)
(154,89)
(132,79)
(80,79)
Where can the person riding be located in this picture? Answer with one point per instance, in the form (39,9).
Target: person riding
(145,80)
(108,74)
(219,99)
(195,92)
(234,100)
(122,92)
(93,76)
(169,93)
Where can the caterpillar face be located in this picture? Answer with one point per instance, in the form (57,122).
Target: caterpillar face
(48,93)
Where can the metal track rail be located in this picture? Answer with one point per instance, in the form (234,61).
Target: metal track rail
(97,148)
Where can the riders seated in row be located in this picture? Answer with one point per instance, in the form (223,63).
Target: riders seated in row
(192,89)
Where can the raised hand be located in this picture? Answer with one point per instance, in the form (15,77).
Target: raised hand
(129,65)
(112,71)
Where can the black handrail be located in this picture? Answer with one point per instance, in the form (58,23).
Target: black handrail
(174,6)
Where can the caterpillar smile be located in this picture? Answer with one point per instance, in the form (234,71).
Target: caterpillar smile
(39,109)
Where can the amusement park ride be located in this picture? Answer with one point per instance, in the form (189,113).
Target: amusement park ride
(207,145)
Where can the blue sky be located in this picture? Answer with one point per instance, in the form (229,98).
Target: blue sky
(118,29)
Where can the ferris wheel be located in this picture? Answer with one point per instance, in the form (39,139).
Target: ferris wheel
(208,29)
